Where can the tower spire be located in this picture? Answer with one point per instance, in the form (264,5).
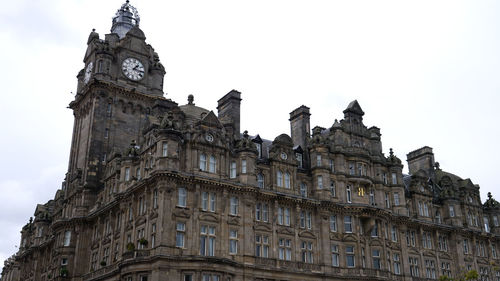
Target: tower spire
(125,19)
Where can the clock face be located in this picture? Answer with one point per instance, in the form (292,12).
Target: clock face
(133,69)
(284,156)
(88,72)
(209,137)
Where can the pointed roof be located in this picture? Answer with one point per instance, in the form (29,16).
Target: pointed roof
(354,107)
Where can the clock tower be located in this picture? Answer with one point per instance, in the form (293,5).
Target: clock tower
(120,88)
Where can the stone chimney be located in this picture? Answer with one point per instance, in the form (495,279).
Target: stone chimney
(300,126)
(420,159)
(228,108)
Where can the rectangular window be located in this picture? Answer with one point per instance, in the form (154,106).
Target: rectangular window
(284,249)
(180,234)
(67,238)
(387,200)
(232,172)
(430,269)
(351,169)
(164,149)
(208,201)
(155,198)
(394,233)
(181,197)
(203,162)
(233,206)
(349,254)
(332,165)
(495,220)
(306,251)
(486,224)
(397,264)
(318,160)
(153,235)
(259,149)
(309,220)
(320,182)
(427,240)
(384,178)
(426,209)
(298,156)
(303,189)
(394,178)
(333,223)
(333,190)
(372,197)
(127,174)
(396,199)
(348,224)
(212,164)
(348,194)
(376,259)
(452,211)
(233,241)
(262,246)
(207,240)
(466,246)
(284,216)
(335,255)
(261,212)
(243,166)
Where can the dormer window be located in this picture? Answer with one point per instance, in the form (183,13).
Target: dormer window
(259,149)
(298,156)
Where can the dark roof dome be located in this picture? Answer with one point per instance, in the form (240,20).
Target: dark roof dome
(283,139)
(193,113)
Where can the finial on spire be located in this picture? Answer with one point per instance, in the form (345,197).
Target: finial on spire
(191,99)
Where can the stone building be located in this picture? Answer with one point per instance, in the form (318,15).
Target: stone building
(161,191)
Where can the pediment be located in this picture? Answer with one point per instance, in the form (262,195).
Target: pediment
(335,236)
(413,251)
(182,213)
(210,120)
(140,220)
(262,227)
(285,230)
(350,238)
(208,217)
(444,256)
(233,220)
(375,242)
(429,254)
(307,234)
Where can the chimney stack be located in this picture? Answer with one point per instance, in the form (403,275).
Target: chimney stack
(228,108)
(420,159)
(300,126)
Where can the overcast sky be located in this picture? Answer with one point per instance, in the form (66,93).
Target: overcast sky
(425,72)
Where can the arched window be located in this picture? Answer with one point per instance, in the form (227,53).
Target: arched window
(203,162)
(287,180)
(260,180)
(213,164)
(279,178)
